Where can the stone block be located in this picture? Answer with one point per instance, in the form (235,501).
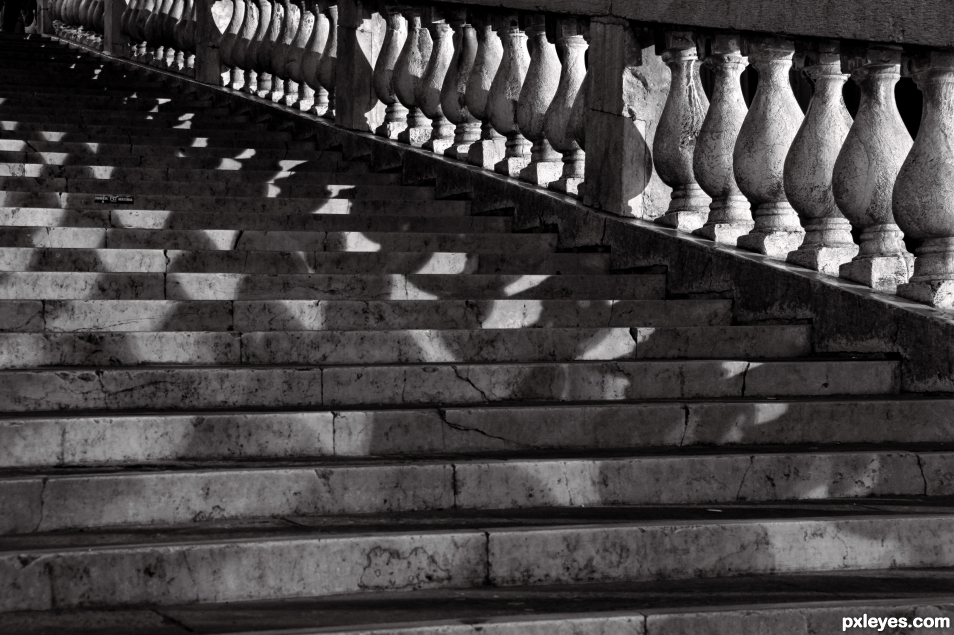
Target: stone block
(938,294)
(361,32)
(881,273)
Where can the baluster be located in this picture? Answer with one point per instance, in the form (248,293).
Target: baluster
(866,170)
(730,215)
(243,42)
(395,37)
(125,28)
(539,89)
(453,93)
(504,93)
(764,140)
(305,96)
(147,50)
(408,73)
(262,80)
(428,91)
(561,127)
(312,57)
(167,26)
(267,82)
(228,43)
(924,191)
(679,127)
(328,64)
(811,162)
(281,85)
(189,35)
(489,149)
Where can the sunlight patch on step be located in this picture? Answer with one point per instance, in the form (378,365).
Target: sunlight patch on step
(200,142)
(509,314)
(248,153)
(432,347)
(445,263)
(607,344)
(524,283)
(356,241)
(404,289)
(759,414)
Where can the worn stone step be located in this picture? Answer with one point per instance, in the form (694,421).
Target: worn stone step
(276,262)
(136,177)
(46,441)
(273,151)
(322,161)
(12,106)
(64,128)
(166,136)
(176,110)
(146,121)
(183,388)
(103,349)
(306,315)
(89,499)
(261,562)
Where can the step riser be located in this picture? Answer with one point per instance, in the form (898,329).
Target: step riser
(314,161)
(214,177)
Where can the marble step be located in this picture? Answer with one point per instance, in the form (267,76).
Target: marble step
(358,236)
(813,603)
(167,193)
(65,126)
(136,120)
(219,178)
(233,137)
(275,151)
(200,348)
(97,85)
(54,99)
(320,161)
(174,495)
(177,110)
(721,425)
(456,550)
(67,316)
(184,388)
(14,259)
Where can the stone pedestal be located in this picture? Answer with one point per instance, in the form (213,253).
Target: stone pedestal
(881,273)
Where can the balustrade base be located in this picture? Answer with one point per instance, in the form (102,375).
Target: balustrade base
(777,244)
(567,185)
(684,220)
(511,166)
(439,146)
(827,260)
(458,151)
(725,233)
(881,273)
(415,137)
(486,153)
(391,129)
(939,294)
(542,173)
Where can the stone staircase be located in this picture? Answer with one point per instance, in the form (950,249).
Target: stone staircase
(276,390)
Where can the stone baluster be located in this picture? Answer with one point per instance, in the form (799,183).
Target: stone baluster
(228,42)
(408,74)
(305,96)
(504,93)
(147,51)
(136,23)
(262,79)
(395,37)
(282,86)
(453,93)
(169,21)
(243,41)
(811,162)
(679,128)
(428,91)
(489,149)
(267,81)
(764,140)
(866,170)
(128,13)
(539,88)
(730,214)
(312,57)
(924,191)
(165,53)
(328,64)
(561,127)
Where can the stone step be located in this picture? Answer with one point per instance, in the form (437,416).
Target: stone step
(120,118)
(149,194)
(162,136)
(276,262)
(224,178)
(178,388)
(99,84)
(457,550)
(333,240)
(199,348)
(66,127)
(63,440)
(175,495)
(176,110)
(275,151)
(59,316)
(321,161)
(719,606)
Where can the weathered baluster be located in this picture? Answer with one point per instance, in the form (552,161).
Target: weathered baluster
(282,86)
(124,27)
(189,34)
(561,127)
(243,42)
(262,80)
(168,27)
(764,140)
(408,73)
(467,128)
(505,92)
(328,64)
(428,92)
(679,127)
(312,58)
(305,96)
(924,192)
(489,149)
(811,162)
(866,170)
(395,37)
(267,81)
(539,89)
(180,37)
(228,42)
(730,214)
(146,49)
(147,25)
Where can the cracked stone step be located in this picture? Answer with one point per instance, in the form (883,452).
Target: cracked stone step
(220,178)
(223,568)
(110,120)
(37,102)
(320,161)
(82,286)
(104,349)
(237,491)
(68,125)
(316,315)
(273,263)
(77,151)
(186,388)
(65,440)
(185,139)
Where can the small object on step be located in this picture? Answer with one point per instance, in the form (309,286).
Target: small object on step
(103,198)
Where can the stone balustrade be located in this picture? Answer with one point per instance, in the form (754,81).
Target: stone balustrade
(610,109)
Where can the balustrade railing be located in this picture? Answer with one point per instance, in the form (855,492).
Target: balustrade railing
(612,110)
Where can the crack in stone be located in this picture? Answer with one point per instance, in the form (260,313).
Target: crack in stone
(460,428)
(171,620)
(472,384)
(923,478)
(39,522)
(744,475)
(685,429)
(745,375)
